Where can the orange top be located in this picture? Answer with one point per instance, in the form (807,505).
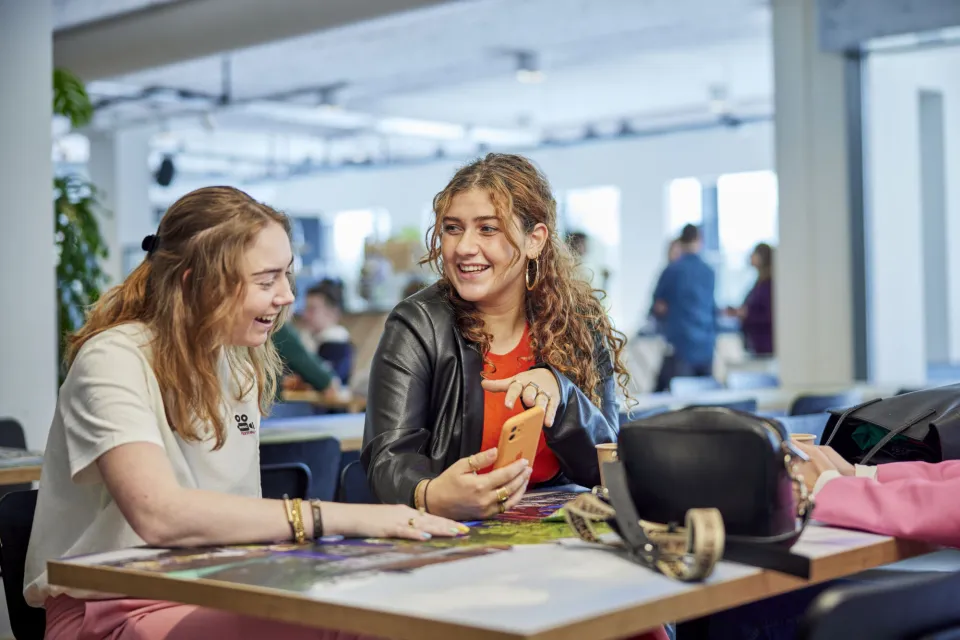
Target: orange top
(495,412)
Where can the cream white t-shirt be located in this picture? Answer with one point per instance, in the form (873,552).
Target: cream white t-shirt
(111,397)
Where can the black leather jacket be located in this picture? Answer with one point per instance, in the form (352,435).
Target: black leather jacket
(425,404)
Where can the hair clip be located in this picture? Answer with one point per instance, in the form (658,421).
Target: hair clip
(150,243)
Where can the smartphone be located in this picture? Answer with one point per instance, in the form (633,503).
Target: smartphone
(520,437)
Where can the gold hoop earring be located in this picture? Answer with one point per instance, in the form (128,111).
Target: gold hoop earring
(536,278)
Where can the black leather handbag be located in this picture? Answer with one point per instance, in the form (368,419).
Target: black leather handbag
(699,484)
(919,426)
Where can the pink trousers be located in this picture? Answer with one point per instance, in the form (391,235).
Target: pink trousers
(130,619)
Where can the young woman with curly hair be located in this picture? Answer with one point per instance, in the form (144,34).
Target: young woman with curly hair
(508,320)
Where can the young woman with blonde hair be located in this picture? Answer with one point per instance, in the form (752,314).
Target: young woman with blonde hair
(155,438)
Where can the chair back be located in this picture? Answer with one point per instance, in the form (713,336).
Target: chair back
(321,456)
(287,478)
(807,404)
(354,485)
(291,410)
(690,385)
(747,405)
(746,380)
(16,523)
(626,417)
(12,437)
(910,608)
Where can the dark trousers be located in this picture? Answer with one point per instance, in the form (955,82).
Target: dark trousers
(674,366)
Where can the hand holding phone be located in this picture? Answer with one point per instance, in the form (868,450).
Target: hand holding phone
(520,437)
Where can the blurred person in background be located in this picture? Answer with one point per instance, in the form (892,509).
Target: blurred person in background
(756,313)
(683,303)
(322,316)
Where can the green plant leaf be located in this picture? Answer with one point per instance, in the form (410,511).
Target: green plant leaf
(70,98)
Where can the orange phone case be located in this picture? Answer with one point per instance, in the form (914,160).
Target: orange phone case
(520,437)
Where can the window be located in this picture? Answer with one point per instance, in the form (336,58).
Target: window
(747,208)
(747,211)
(352,230)
(685,204)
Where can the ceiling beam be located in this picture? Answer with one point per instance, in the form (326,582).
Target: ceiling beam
(159,35)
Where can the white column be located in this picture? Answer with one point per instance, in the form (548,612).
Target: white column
(118,167)
(28,321)
(813,308)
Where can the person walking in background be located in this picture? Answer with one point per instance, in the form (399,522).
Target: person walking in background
(683,303)
(756,314)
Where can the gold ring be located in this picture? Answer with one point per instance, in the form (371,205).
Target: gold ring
(501,507)
(422,511)
(473,465)
(411,522)
(502,495)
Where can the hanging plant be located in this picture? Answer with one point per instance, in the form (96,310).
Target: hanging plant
(80,246)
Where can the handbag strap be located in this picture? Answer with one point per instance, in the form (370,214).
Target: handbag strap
(844,415)
(687,553)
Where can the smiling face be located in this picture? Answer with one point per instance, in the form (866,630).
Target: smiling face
(267,287)
(478,258)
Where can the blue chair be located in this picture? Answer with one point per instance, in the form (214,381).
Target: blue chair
(16,523)
(811,423)
(292,410)
(12,437)
(321,456)
(807,404)
(912,608)
(354,485)
(746,380)
(626,417)
(291,479)
(690,385)
(748,405)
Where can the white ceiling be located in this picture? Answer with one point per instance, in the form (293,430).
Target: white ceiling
(71,13)
(605,61)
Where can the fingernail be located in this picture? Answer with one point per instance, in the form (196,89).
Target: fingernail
(526,462)
(529,472)
(425,535)
(463,528)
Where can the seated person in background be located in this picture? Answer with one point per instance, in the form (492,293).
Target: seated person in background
(155,437)
(508,326)
(303,367)
(322,314)
(915,500)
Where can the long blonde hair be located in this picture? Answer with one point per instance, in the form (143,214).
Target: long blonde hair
(563,312)
(186,290)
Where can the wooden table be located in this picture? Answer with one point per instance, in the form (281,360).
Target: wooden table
(349,403)
(18,466)
(346,427)
(563,590)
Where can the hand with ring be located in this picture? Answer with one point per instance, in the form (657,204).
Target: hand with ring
(462,494)
(390,521)
(533,387)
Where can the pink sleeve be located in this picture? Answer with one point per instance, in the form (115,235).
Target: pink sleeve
(913,508)
(946,470)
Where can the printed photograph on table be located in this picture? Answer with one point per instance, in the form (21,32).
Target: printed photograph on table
(537,519)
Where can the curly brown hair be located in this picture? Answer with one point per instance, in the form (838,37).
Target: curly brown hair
(565,316)
(204,233)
